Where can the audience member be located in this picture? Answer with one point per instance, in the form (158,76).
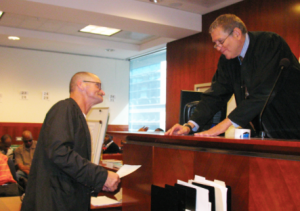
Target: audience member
(8,184)
(159,130)
(143,129)
(24,155)
(5,146)
(110,146)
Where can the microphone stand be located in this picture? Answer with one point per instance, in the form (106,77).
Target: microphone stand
(283,64)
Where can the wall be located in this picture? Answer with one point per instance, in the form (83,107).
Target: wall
(37,71)
(193,60)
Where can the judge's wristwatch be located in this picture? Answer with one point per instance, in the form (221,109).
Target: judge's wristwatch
(187,125)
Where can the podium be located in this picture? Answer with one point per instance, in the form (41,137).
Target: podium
(263,174)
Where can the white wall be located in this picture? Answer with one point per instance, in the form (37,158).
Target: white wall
(37,71)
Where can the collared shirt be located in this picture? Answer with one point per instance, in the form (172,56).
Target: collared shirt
(242,54)
(245,47)
(24,155)
(107,145)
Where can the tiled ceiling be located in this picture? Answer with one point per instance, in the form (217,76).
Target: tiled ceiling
(63,27)
(53,25)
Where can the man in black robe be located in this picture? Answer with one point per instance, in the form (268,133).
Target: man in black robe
(62,177)
(248,68)
(110,147)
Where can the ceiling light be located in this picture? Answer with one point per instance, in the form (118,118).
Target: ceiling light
(1,13)
(100,30)
(155,1)
(13,38)
(109,50)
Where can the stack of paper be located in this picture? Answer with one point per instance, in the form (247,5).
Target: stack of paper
(102,201)
(198,194)
(112,163)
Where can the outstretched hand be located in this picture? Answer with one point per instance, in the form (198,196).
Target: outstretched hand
(216,130)
(178,130)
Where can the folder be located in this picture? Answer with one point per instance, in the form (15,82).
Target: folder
(182,196)
(220,191)
(202,203)
(228,198)
(164,199)
(190,200)
(211,194)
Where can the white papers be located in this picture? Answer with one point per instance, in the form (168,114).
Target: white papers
(127,169)
(202,203)
(112,163)
(118,195)
(220,191)
(102,201)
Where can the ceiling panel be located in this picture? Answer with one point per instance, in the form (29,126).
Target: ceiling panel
(54,25)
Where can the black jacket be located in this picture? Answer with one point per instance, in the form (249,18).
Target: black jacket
(258,73)
(62,176)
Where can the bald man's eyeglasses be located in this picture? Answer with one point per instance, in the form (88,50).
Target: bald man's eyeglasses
(220,43)
(97,83)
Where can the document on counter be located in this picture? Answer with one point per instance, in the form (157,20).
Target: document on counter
(102,201)
(127,169)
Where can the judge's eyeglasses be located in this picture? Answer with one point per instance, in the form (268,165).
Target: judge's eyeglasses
(220,43)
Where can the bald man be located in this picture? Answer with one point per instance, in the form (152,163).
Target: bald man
(62,177)
(24,155)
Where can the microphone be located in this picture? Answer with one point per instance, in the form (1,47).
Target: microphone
(284,63)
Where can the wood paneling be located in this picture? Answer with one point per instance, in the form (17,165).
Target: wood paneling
(15,130)
(193,60)
(261,181)
(117,128)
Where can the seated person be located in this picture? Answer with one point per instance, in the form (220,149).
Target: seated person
(8,184)
(24,155)
(159,130)
(110,146)
(143,129)
(5,146)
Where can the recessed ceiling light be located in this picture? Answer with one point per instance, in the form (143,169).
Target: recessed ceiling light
(1,13)
(100,30)
(13,38)
(155,1)
(109,50)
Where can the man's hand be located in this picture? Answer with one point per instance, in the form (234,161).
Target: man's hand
(216,130)
(112,182)
(24,168)
(178,130)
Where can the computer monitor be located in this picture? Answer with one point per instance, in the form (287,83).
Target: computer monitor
(188,103)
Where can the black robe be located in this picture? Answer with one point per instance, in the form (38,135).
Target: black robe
(112,148)
(62,176)
(258,73)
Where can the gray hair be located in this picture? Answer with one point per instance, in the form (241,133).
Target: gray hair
(228,22)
